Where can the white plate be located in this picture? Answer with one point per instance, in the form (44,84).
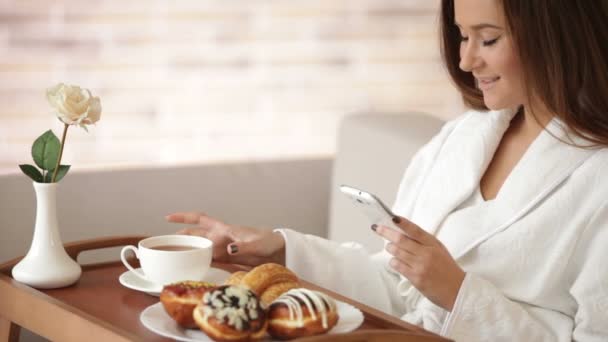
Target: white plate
(156,319)
(130,280)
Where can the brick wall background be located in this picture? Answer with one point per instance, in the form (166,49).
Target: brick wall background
(191,81)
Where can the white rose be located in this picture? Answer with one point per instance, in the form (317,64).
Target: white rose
(73,105)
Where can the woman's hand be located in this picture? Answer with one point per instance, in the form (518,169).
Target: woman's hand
(234,244)
(423,259)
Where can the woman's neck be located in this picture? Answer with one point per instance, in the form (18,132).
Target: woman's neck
(531,121)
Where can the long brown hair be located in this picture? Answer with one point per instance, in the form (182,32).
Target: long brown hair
(563,49)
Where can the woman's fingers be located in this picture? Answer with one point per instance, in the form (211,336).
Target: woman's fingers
(243,248)
(233,244)
(198,231)
(413,231)
(402,253)
(402,266)
(210,223)
(399,239)
(424,261)
(259,242)
(191,217)
(205,224)
(388,233)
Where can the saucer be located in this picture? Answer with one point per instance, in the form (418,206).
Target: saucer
(130,280)
(156,319)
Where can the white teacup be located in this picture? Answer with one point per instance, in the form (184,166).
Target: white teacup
(171,258)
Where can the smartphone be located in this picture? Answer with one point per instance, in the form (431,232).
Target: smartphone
(371,205)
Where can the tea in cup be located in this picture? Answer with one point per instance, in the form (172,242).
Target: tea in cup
(171,258)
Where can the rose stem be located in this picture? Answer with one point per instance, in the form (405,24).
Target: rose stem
(65,132)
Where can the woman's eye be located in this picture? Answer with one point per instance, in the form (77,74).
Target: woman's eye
(490,42)
(464,39)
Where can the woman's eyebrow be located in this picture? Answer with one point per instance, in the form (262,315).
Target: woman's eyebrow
(478,27)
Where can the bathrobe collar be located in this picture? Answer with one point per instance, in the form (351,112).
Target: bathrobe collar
(462,162)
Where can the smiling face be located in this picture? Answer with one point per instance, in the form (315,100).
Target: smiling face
(487,51)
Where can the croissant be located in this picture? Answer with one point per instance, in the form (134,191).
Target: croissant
(235,278)
(267,281)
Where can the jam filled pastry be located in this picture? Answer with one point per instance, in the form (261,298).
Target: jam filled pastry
(180,299)
(231,313)
(301,312)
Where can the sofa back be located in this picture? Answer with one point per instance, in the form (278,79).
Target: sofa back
(372,154)
(134,201)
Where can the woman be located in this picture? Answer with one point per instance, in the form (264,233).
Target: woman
(505,211)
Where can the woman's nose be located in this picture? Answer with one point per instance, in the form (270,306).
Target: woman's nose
(469,58)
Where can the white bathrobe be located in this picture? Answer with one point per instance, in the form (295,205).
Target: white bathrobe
(536,257)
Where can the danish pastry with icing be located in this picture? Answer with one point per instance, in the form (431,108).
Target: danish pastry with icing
(301,312)
(231,313)
(180,299)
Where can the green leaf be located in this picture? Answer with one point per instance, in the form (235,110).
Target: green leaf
(45,150)
(63,169)
(32,172)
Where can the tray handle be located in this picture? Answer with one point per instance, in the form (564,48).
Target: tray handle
(376,335)
(75,248)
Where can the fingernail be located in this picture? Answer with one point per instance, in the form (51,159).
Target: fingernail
(374,227)
(396,219)
(233,249)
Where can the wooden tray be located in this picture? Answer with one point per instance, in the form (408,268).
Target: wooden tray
(99,308)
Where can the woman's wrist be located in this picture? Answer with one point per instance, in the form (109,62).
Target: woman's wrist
(279,252)
(454,292)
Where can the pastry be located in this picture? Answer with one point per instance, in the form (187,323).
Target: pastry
(231,313)
(180,299)
(301,312)
(235,278)
(269,281)
(274,291)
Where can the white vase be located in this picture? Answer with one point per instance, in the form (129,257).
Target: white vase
(47,265)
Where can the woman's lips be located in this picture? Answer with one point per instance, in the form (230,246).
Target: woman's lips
(487,82)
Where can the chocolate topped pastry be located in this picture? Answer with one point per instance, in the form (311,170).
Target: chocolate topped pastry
(231,313)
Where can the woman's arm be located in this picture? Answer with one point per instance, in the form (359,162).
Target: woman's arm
(346,268)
